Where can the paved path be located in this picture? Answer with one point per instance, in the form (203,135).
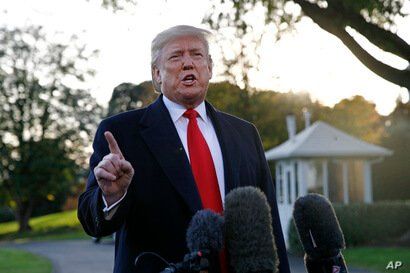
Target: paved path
(83,256)
(77,256)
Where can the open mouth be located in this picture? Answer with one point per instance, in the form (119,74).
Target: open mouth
(189,79)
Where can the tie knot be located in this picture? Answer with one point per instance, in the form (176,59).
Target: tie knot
(190,114)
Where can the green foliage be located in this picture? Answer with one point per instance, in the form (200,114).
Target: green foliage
(45,123)
(128,96)
(392,177)
(356,116)
(269,111)
(45,175)
(373,223)
(231,99)
(6,214)
(266,109)
(295,246)
(19,261)
(378,11)
(369,224)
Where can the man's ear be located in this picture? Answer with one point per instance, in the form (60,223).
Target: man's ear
(156,75)
(156,78)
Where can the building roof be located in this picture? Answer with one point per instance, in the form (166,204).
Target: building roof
(323,140)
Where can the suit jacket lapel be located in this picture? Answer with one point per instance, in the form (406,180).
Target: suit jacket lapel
(227,137)
(161,136)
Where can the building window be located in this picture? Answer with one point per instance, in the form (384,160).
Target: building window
(289,188)
(280,184)
(296,180)
(314,176)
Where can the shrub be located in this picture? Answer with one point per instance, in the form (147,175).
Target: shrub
(295,246)
(6,214)
(366,224)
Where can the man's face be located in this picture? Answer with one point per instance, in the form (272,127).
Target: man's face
(184,69)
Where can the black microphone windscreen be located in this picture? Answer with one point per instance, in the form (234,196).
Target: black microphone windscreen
(248,231)
(205,232)
(318,227)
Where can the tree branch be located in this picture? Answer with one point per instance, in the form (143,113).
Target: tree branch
(380,37)
(397,76)
(332,22)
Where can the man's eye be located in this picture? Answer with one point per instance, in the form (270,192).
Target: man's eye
(173,57)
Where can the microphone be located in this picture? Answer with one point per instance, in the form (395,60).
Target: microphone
(320,234)
(204,240)
(248,231)
(205,232)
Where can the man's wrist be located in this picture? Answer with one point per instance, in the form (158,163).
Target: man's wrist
(113,198)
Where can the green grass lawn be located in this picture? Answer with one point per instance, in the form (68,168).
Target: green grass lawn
(18,261)
(377,258)
(63,225)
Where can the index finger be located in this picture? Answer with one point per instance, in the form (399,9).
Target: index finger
(112,144)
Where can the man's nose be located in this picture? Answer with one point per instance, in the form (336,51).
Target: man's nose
(187,63)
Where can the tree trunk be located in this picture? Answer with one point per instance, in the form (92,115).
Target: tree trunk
(23,215)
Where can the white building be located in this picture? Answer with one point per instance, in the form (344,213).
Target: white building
(325,160)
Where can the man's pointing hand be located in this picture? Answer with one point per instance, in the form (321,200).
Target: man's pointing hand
(113,173)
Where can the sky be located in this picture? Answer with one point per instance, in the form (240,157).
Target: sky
(306,60)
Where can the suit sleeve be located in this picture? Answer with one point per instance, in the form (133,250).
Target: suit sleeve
(266,185)
(90,203)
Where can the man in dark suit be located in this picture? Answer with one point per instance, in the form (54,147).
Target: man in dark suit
(152,169)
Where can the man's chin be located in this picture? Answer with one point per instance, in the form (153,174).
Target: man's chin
(191,98)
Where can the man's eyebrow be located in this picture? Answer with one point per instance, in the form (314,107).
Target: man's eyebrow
(196,49)
(175,51)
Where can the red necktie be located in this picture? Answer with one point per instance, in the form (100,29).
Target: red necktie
(202,165)
(203,169)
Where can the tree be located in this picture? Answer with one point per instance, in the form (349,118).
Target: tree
(374,19)
(356,116)
(266,109)
(45,123)
(392,177)
(128,96)
(231,99)
(269,114)
(39,178)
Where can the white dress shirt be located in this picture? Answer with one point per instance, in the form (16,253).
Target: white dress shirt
(208,131)
(176,112)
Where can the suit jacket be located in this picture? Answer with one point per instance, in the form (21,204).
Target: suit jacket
(162,197)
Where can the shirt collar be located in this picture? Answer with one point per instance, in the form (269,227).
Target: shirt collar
(176,110)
